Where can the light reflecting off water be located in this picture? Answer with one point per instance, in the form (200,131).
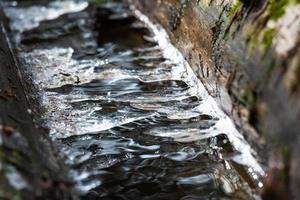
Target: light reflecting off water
(125,109)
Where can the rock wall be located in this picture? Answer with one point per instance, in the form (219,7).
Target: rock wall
(29,166)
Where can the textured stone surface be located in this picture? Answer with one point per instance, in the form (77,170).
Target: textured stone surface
(29,168)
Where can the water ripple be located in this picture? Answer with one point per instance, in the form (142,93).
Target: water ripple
(125,109)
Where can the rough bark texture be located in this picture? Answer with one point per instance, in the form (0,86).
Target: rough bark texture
(247,54)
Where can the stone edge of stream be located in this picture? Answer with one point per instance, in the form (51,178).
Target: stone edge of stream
(29,165)
(238,58)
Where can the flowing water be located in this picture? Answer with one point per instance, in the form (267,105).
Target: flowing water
(124,108)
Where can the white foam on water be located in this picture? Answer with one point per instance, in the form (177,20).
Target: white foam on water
(224,124)
(55,67)
(24,19)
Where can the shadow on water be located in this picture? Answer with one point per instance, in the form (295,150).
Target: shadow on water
(120,113)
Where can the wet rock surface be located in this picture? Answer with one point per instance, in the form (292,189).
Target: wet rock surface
(251,49)
(124,108)
(29,168)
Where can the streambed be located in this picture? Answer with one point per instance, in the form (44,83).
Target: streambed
(124,108)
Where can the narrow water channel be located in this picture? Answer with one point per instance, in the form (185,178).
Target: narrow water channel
(124,109)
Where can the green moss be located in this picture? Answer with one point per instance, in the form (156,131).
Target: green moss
(12,157)
(267,38)
(235,8)
(277,8)
(98,2)
(294,2)
(252,44)
(263,39)
(247,97)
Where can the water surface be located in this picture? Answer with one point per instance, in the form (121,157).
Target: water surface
(124,108)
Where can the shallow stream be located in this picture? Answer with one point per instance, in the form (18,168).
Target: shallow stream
(124,108)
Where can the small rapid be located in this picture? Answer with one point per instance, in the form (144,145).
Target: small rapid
(124,108)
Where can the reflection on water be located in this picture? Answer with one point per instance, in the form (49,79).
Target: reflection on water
(124,108)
